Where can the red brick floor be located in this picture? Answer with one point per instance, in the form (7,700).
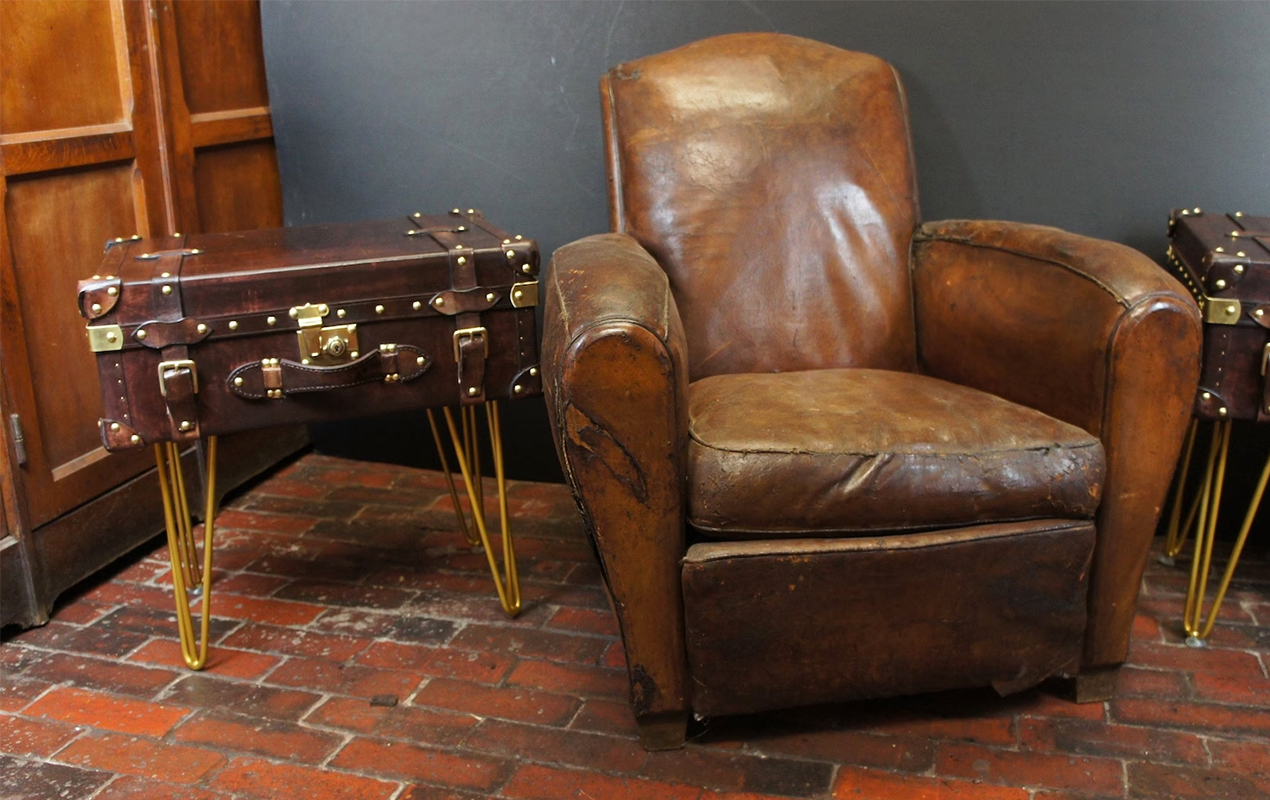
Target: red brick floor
(338,582)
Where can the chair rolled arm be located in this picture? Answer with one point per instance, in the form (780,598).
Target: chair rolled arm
(1088,331)
(615,369)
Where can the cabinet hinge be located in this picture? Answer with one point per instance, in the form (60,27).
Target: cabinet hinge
(19,444)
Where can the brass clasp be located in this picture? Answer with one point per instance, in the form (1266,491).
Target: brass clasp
(164,366)
(326,346)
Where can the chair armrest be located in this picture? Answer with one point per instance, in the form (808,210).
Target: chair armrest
(615,368)
(1088,331)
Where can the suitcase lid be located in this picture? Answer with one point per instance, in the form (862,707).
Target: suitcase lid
(1224,260)
(385,269)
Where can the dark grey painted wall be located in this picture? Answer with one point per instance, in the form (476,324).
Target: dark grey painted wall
(1095,117)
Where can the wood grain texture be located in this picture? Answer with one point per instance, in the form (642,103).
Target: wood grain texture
(238,187)
(221,55)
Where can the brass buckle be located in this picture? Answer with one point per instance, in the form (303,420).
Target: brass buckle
(470,333)
(166,365)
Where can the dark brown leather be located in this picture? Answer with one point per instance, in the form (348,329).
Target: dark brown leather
(617,390)
(760,171)
(824,452)
(1226,265)
(765,187)
(838,619)
(242,287)
(1090,332)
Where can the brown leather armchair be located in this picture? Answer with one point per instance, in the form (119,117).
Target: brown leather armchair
(825,451)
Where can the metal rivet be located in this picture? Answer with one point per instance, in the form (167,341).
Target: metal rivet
(1219,249)
(533,370)
(185,425)
(1239,269)
(458,247)
(96,277)
(195,251)
(1259,312)
(175,234)
(416,305)
(489,297)
(238,381)
(114,426)
(166,290)
(462,229)
(233,324)
(519,237)
(341,313)
(1206,396)
(1230,310)
(1239,213)
(526,269)
(418,214)
(1222,411)
(1221,284)
(379,309)
(462,260)
(517,389)
(95,308)
(141,333)
(273,362)
(304,361)
(294,313)
(271,320)
(201,328)
(471,211)
(1196,211)
(420,360)
(511,253)
(112,291)
(517,294)
(472,391)
(1234,234)
(166,275)
(455,211)
(507,241)
(352,354)
(1242,254)
(440,301)
(412,232)
(135,439)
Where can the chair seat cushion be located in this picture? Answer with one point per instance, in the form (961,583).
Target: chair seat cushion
(860,450)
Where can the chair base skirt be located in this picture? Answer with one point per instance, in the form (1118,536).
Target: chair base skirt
(776,624)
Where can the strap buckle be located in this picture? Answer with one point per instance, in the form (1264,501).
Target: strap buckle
(470,333)
(184,363)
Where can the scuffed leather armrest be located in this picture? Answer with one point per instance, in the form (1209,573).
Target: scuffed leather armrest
(1088,331)
(615,365)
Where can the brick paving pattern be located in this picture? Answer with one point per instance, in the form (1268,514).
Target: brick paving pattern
(338,581)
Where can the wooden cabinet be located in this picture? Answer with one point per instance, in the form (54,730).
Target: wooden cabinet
(116,117)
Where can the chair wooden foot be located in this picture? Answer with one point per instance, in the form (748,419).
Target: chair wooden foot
(1096,685)
(665,731)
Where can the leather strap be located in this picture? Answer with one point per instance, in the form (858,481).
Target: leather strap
(279,377)
(162,335)
(471,339)
(177,379)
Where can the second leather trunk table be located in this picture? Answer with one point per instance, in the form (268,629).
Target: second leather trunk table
(203,335)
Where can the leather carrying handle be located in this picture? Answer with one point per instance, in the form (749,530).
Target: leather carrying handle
(274,379)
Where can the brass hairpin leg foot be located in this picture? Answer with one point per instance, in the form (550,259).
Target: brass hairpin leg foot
(189,577)
(1197,626)
(467,453)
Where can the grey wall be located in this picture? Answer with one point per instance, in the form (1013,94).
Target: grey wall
(1095,117)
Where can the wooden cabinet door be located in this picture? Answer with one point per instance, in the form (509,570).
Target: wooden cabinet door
(79,163)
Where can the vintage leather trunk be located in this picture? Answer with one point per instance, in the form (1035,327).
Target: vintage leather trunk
(1224,260)
(217,333)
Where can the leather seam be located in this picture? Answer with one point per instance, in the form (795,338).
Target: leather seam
(757,451)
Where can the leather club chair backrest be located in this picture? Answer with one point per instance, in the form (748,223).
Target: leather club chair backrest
(772,178)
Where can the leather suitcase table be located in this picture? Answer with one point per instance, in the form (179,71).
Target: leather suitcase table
(203,335)
(1224,261)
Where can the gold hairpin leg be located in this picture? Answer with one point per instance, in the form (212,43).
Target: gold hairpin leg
(467,453)
(188,576)
(1178,530)
(1196,625)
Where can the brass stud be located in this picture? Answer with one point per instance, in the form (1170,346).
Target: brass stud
(462,260)
(112,291)
(185,425)
(201,328)
(96,277)
(418,214)
(1222,411)
(195,251)
(440,301)
(1219,249)
(472,391)
(471,211)
(379,309)
(416,305)
(1242,254)
(341,313)
(1197,211)
(352,354)
(1234,234)
(517,389)
(166,289)
(95,308)
(166,275)
(238,381)
(135,439)
(233,324)
(511,253)
(175,234)
(1239,213)
(458,247)
(507,241)
(533,370)
(294,313)
(1230,311)
(489,297)
(141,333)
(519,237)
(304,361)
(1239,269)
(1259,313)
(420,360)
(412,232)
(111,337)
(323,309)
(114,426)
(273,362)
(516,295)
(455,211)
(1206,396)
(1221,284)
(527,269)
(271,320)
(462,229)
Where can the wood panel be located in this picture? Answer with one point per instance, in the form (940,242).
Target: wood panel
(228,183)
(221,54)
